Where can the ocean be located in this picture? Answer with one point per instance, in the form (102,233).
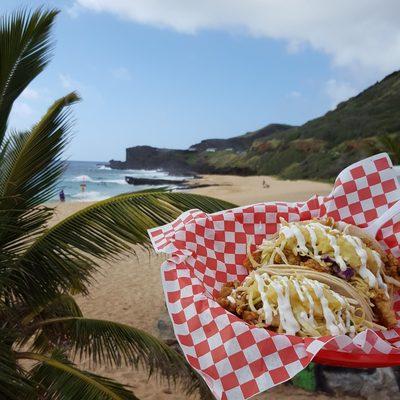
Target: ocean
(101,181)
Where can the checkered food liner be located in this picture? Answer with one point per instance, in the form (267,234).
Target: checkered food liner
(205,251)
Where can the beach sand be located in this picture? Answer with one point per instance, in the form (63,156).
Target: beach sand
(130,291)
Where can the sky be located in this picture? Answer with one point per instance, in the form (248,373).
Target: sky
(169,73)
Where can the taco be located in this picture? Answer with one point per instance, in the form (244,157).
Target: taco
(316,278)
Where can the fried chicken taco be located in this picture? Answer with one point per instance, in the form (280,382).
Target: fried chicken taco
(316,278)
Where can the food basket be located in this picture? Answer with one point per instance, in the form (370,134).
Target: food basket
(205,251)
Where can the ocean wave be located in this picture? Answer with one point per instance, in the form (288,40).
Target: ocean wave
(104,167)
(90,195)
(87,178)
(81,178)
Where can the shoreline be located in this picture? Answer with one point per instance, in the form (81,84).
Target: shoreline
(241,190)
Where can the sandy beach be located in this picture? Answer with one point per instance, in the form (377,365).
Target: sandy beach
(130,290)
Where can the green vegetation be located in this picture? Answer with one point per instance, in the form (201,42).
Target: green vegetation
(43,331)
(365,124)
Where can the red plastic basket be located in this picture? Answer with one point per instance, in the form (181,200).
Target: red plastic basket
(341,359)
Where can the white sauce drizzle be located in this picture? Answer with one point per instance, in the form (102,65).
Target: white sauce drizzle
(266,306)
(336,252)
(364,272)
(333,327)
(313,238)
(298,290)
(379,262)
(288,321)
(292,230)
(231,300)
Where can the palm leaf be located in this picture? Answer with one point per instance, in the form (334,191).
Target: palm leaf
(30,169)
(115,344)
(105,230)
(59,379)
(14,385)
(62,306)
(111,226)
(25,48)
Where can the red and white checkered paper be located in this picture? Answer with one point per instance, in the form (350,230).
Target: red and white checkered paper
(238,360)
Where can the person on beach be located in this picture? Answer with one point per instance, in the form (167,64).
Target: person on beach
(62,195)
(265,184)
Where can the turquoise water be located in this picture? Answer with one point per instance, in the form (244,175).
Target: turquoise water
(101,181)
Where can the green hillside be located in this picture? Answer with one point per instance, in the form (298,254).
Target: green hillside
(322,147)
(319,149)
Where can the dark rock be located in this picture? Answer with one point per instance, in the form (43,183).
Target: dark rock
(165,329)
(150,181)
(363,383)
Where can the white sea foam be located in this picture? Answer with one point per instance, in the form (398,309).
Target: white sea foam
(90,195)
(87,178)
(82,178)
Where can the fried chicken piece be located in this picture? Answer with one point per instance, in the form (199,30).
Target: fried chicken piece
(247,263)
(384,309)
(226,290)
(392,267)
(222,299)
(225,303)
(250,316)
(311,263)
(292,259)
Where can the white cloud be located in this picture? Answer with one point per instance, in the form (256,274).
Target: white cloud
(22,110)
(339,91)
(74,10)
(122,74)
(356,34)
(66,81)
(30,94)
(294,94)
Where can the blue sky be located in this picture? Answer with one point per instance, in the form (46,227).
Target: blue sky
(172,80)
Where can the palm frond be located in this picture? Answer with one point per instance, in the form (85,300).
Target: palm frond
(115,344)
(25,50)
(59,379)
(112,226)
(32,163)
(63,255)
(30,169)
(14,385)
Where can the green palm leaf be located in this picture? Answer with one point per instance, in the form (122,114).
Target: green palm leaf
(14,385)
(59,379)
(105,230)
(25,48)
(111,226)
(31,167)
(115,344)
